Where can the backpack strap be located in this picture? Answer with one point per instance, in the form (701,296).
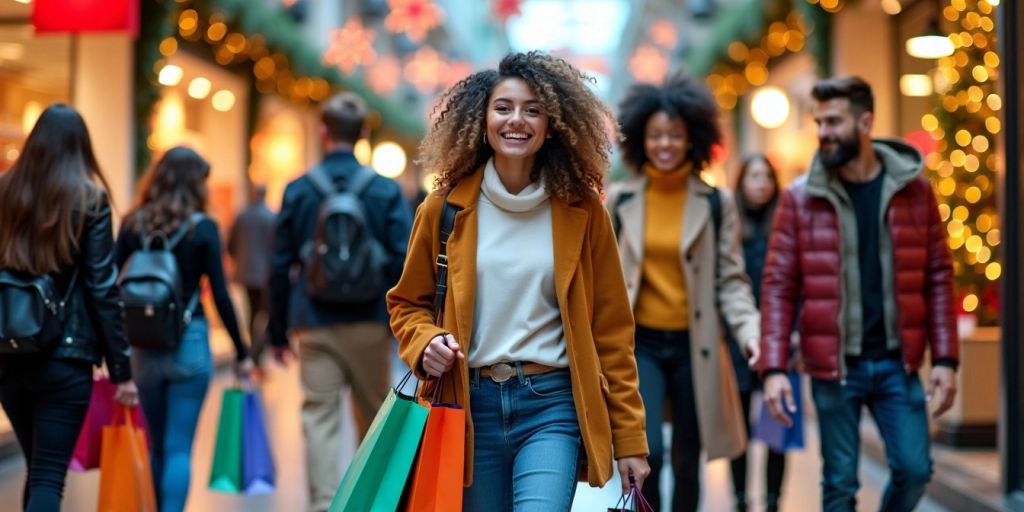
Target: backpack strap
(321,181)
(357,183)
(616,219)
(715,201)
(360,179)
(179,235)
(447,225)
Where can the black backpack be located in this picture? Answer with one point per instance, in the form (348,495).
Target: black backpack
(344,263)
(155,311)
(31,312)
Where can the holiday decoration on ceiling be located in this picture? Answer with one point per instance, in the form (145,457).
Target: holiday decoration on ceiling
(414,18)
(663,33)
(965,123)
(383,76)
(351,46)
(648,64)
(424,69)
(455,71)
(505,9)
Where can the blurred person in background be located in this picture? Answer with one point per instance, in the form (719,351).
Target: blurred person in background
(757,193)
(56,220)
(679,240)
(536,339)
(859,260)
(173,383)
(250,243)
(339,344)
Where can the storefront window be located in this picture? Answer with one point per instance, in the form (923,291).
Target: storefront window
(34,72)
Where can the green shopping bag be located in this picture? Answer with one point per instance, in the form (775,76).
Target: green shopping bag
(378,473)
(226,473)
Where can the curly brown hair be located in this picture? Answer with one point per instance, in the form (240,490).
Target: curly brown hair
(572,163)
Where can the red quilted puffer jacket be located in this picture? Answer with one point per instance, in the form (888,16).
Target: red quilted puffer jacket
(804,264)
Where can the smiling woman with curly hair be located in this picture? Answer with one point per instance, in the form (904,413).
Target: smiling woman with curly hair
(538,314)
(679,244)
(572,165)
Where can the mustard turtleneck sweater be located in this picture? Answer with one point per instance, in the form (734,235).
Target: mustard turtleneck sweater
(662,302)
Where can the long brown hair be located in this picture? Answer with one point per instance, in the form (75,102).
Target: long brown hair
(572,164)
(45,193)
(171,192)
(743,205)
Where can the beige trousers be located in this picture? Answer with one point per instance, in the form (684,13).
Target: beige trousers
(331,358)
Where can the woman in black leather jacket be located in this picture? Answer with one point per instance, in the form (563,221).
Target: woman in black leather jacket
(56,221)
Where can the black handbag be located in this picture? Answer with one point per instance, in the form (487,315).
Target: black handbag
(31,312)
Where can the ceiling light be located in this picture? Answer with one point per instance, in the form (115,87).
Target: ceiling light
(170,75)
(199,88)
(223,100)
(916,85)
(931,44)
(769,107)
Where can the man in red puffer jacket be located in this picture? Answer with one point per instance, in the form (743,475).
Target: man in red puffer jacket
(859,245)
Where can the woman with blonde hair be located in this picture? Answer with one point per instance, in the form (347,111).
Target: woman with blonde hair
(535,336)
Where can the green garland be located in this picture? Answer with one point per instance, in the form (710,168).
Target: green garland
(280,34)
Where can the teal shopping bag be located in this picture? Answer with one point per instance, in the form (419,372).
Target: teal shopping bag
(226,472)
(378,473)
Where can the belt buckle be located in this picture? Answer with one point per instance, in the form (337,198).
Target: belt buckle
(502,372)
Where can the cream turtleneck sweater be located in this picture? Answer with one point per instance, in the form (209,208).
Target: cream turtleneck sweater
(516,315)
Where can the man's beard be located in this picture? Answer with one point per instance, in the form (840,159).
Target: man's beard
(844,151)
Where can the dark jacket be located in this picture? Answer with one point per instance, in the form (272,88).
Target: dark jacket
(809,260)
(389,219)
(93,328)
(250,242)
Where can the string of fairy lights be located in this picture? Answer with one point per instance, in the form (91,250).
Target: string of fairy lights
(965,123)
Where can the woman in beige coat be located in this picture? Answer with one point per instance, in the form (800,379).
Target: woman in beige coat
(680,249)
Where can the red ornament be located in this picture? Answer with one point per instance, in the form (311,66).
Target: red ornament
(505,9)
(413,17)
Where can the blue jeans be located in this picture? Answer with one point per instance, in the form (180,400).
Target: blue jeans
(46,400)
(896,401)
(172,386)
(526,441)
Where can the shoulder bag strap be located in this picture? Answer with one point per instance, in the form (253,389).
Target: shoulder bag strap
(361,178)
(447,225)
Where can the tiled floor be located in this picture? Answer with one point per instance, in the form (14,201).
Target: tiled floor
(281,397)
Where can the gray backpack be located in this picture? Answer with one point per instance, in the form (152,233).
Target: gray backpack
(344,263)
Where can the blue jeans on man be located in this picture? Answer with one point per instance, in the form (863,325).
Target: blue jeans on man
(896,400)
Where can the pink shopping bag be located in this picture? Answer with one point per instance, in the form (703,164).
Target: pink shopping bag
(101,413)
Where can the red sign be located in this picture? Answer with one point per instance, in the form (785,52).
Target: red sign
(80,16)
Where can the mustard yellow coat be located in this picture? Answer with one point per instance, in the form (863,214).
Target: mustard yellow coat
(595,309)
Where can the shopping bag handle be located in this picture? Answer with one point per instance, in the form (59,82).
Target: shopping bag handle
(123,415)
(639,501)
(401,385)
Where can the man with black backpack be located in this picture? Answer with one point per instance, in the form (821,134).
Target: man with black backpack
(345,230)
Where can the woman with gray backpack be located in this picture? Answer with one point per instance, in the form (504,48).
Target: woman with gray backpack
(165,247)
(58,298)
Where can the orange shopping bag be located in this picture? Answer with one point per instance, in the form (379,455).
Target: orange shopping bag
(437,480)
(126,482)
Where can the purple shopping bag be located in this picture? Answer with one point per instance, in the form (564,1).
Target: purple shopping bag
(776,435)
(257,461)
(632,502)
(100,414)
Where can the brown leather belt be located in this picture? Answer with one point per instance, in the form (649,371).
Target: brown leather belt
(502,372)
